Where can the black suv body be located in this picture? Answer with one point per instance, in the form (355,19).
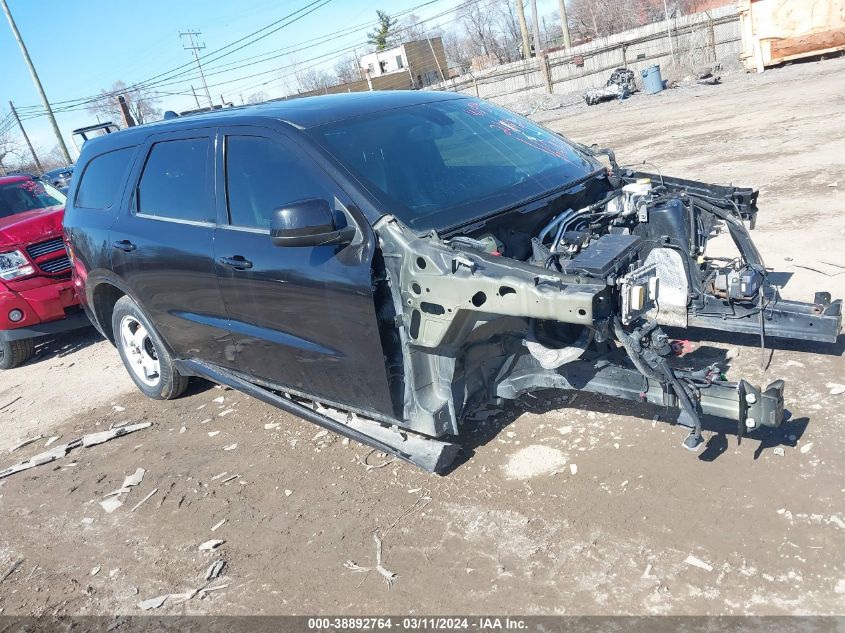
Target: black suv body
(386,264)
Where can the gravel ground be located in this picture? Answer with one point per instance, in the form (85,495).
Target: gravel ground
(576,504)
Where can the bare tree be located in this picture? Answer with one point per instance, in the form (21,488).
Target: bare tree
(507,23)
(257,97)
(346,69)
(312,79)
(599,18)
(411,28)
(458,49)
(11,149)
(474,17)
(141,102)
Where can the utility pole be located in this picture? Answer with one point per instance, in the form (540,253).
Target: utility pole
(38,85)
(669,31)
(26,138)
(538,46)
(194,47)
(564,25)
(196,98)
(523,27)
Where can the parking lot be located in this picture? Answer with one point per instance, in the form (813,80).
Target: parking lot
(575,504)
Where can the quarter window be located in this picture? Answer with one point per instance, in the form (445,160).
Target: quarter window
(174,182)
(262,175)
(102,179)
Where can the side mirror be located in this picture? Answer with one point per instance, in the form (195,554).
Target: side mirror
(308,223)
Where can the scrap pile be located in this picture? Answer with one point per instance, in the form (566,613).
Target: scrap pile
(620,86)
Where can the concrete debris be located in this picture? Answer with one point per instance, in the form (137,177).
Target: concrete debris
(218,476)
(215,569)
(219,399)
(134,479)
(218,525)
(211,545)
(51,440)
(111,504)
(807,447)
(647,573)
(118,408)
(231,447)
(119,491)
(697,562)
(23,443)
(272,426)
(288,493)
(573,469)
(223,414)
(95,571)
(213,433)
(87,521)
(153,603)
(207,590)
(183,429)
(836,390)
(779,451)
(104,436)
(320,434)
(144,500)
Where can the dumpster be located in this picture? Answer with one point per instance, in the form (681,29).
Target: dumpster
(652,81)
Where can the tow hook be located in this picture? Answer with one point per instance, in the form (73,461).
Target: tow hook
(759,407)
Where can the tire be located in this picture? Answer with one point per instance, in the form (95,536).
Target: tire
(15,353)
(144,354)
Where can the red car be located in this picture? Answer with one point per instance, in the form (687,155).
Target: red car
(37,295)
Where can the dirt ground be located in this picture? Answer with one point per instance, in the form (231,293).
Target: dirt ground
(573,505)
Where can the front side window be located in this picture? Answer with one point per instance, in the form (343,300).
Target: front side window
(102,178)
(174,183)
(437,165)
(262,175)
(28,195)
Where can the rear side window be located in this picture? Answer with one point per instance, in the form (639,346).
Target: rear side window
(102,179)
(174,181)
(262,175)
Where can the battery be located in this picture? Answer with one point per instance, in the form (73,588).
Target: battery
(609,254)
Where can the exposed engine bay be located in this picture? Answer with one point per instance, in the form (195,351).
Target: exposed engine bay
(573,291)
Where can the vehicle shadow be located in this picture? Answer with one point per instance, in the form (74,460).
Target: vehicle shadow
(64,344)
(487,425)
(753,340)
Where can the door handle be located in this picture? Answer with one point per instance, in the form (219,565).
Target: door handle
(124,245)
(238,262)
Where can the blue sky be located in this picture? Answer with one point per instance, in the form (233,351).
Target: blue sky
(84,46)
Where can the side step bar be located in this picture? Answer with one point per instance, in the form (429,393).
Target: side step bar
(429,454)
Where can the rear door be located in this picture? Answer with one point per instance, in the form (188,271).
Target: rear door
(301,317)
(162,246)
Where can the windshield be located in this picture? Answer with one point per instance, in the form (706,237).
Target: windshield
(436,165)
(28,195)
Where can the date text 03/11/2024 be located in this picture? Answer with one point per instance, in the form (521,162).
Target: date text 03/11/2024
(479,623)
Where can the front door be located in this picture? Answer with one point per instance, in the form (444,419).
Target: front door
(162,247)
(301,317)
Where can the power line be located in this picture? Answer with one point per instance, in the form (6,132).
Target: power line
(80,104)
(164,75)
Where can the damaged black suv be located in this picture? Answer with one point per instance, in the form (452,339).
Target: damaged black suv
(384,264)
